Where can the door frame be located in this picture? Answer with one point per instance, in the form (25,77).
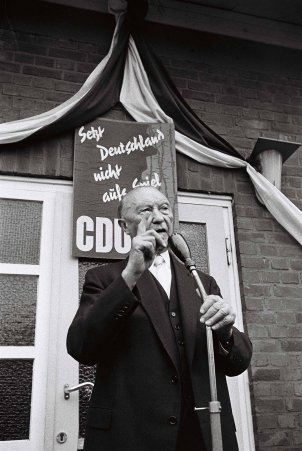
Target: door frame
(57,303)
(240,385)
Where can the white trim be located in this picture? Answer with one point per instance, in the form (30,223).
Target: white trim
(17,352)
(241,385)
(19,193)
(40,181)
(207,198)
(42,324)
(17,445)
(16,268)
(62,415)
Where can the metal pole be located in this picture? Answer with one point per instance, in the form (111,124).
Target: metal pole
(181,249)
(214,405)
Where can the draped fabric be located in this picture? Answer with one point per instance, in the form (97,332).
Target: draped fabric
(99,93)
(145,108)
(173,104)
(131,74)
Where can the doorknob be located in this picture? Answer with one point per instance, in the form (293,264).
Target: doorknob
(68,390)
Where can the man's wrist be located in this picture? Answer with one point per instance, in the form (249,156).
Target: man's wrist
(129,278)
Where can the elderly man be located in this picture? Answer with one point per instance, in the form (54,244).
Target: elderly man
(142,323)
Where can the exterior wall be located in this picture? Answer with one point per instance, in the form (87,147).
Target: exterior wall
(242,90)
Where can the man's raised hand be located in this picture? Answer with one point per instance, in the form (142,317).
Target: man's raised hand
(143,249)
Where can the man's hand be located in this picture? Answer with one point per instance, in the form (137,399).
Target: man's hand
(143,249)
(219,315)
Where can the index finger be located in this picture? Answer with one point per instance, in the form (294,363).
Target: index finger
(144,225)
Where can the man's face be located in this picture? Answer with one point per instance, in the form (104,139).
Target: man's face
(147,201)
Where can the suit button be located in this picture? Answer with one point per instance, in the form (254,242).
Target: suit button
(174,379)
(177,327)
(173,420)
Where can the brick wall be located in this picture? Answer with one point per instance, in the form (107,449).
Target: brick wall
(242,90)
(44,60)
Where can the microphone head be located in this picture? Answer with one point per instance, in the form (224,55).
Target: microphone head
(180,247)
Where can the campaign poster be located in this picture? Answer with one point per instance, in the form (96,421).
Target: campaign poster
(111,158)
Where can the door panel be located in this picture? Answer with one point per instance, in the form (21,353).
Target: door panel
(206,223)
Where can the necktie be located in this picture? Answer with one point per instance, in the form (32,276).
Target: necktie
(162,273)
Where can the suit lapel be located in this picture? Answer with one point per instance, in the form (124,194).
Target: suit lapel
(156,310)
(189,306)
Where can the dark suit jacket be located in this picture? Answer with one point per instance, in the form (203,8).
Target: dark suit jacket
(129,336)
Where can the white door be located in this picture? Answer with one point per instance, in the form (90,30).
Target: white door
(206,222)
(38,297)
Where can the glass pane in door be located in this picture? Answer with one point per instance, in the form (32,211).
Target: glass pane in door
(18,299)
(15,399)
(20,230)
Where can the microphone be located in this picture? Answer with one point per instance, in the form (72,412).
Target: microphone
(181,249)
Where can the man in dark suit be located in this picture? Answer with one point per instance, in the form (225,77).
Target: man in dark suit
(142,323)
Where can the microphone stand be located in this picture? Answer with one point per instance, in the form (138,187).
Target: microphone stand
(181,249)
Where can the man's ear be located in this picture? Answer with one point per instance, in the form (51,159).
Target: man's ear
(123,226)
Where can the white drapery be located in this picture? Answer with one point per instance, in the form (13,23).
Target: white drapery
(137,97)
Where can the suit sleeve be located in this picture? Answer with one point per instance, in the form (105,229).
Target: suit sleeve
(240,354)
(102,315)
